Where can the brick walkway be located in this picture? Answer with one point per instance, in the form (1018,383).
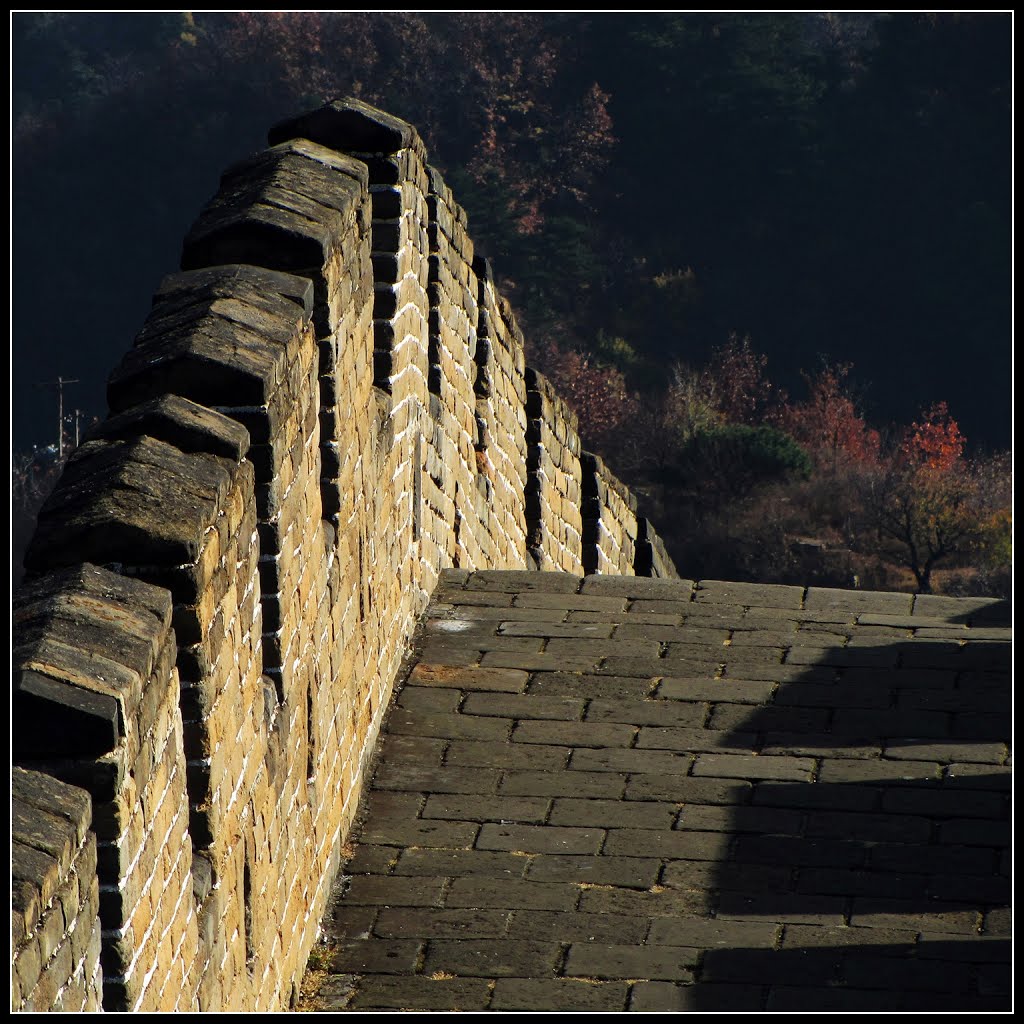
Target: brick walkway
(619,793)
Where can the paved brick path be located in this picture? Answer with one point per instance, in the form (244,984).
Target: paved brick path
(629,794)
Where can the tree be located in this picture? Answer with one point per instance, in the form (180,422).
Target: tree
(927,503)
(935,444)
(736,373)
(596,393)
(691,404)
(726,463)
(828,425)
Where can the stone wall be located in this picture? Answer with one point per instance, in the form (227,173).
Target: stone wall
(555,491)
(610,525)
(96,705)
(324,409)
(55,924)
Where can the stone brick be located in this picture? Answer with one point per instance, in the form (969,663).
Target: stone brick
(874,828)
(575,630)
(811,744)
(469,924)
(570,927)
(487,808)
(450,726)
(845,999)
(429,700)
(823,797)
(659,902)
(560,684)
(862,602)
(886,973)
(602,604)
(961,860)
(611,759)
(662,713)
(576,734)
(941,803)
(491,958)
(668,997)
(511,895)
(787,907)
(520,756)
(889,941)
(748,594)
(540,662)
(703,933)
(374,890)
(884,772)
(867,912)
(975,949)
(520,582)
(539,995)
(651,842)
(522,706)
(377,956)
(438,780)
(768,967)
(998,921)
(860,883)
(695,740)
(422,993)
(995,981)
(738,766)
(700,661)
(633,814)
(563,783)
(539,838)
(762,820)
(596,960)
(975,832)
(626,872)
(416,861)
(724,690)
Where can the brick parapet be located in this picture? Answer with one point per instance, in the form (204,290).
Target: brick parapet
(325,408)
(610,524)
(555,479)
(55,925)
(94,664)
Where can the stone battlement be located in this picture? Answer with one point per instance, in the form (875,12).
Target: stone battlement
(324,410)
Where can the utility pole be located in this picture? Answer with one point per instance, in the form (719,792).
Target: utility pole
(60,382)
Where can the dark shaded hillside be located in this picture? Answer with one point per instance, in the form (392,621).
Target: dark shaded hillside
(834,184)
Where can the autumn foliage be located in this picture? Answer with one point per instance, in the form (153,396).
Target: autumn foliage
(745,481)
(659,178)
(597,394)
(935,444)
(827,423)
(736,376)
(527,126)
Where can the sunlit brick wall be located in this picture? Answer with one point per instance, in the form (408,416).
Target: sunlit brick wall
(326,407)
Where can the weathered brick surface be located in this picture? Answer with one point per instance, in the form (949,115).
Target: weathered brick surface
(55,907)
(752,837)
(552,995)
(555,491)
(325,418)
(324,412)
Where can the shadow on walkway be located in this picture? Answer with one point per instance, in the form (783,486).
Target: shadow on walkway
(610,794)
(889,872)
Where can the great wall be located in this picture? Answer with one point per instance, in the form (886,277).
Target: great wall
(333,639)
(326,407)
